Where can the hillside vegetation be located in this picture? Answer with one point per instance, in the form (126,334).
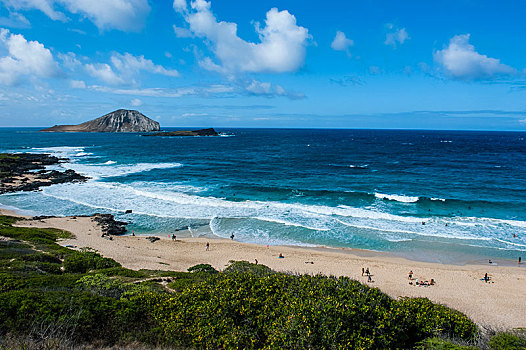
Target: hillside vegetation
(60,298)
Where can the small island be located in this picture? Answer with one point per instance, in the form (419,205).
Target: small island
(201,132)
(121,120)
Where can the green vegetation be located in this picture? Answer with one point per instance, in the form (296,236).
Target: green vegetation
(78,297)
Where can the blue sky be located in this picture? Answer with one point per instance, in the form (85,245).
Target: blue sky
(228,63)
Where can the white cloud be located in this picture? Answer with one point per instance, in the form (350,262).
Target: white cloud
(24,58)
(136,102)
(399,36)
(341,42)
(124,69)
(46,6)
(15,20)
(104,72)
(182,32)
(180,5)
(106,14)
(282,45)
(129,64)
(77,84)
(238,87)
(255,87)
(460,61)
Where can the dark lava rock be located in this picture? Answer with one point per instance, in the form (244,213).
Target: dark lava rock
(109,225)
(27,172)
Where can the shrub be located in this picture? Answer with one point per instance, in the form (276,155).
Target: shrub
(436,343)
(245,266)
(206,268)
(507,341)
(82,262)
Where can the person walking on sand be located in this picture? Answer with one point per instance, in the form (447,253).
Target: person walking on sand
(486,277)
(207,246)
(367,272)
(369,279)
(363,271)
(410,275)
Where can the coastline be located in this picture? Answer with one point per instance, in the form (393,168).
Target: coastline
(498,304)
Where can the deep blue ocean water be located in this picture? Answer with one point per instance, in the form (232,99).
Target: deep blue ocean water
(430,195)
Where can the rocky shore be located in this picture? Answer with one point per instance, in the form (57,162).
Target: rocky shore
(27,172)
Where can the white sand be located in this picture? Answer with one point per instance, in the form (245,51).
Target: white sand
(500,303)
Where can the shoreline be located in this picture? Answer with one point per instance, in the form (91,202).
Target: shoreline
(498,304)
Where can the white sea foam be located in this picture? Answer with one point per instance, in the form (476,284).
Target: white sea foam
(288,223)
(104,171)
(397,197)
(335,223)
(109,162)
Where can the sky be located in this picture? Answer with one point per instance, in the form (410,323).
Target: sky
(448,65)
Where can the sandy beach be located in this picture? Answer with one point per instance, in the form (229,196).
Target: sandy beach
(501,303)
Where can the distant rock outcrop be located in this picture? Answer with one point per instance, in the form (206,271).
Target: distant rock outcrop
(121,120)
(202,132)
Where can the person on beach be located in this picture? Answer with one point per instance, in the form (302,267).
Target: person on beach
(369,279)
(280,256)
(519,260)
(367,272)
(486,277)
(410,275)
(207,246)
(232,236)
(256,261)
(363,270)
(174,237)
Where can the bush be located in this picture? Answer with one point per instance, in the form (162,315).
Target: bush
(206,268)
(441,344)
(507,341)
(245,266)
(82,262)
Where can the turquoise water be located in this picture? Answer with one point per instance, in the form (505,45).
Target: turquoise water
(428,195)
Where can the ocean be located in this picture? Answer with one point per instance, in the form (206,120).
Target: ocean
(441,196)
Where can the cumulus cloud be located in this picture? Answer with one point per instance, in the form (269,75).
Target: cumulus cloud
(398,36)
(104,72)
(107,14)
(341,42)
(124,68)
(281,47)
(459,60)
(24,59)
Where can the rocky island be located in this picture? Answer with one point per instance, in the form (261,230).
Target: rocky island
(201,132)
(121,120)
(27,172)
